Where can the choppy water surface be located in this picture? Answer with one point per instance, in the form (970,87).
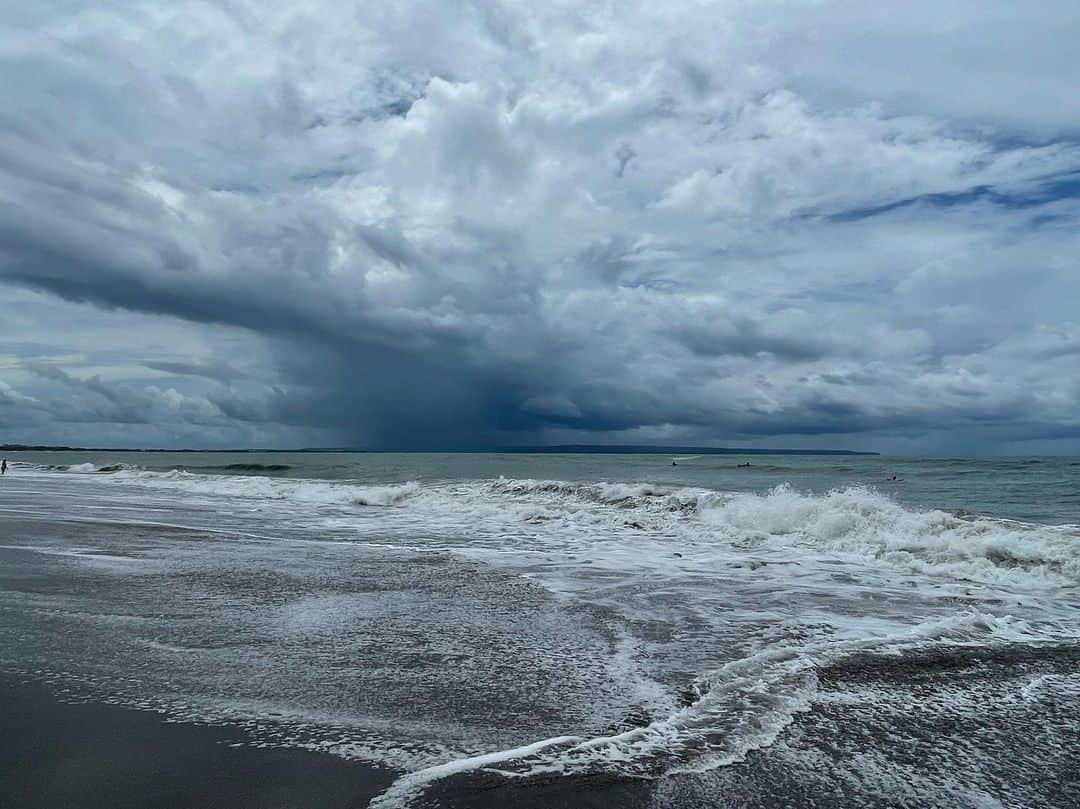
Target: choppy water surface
(803,629)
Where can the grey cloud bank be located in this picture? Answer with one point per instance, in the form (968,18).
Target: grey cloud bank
(448,225)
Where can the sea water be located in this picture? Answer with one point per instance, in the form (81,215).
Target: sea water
(871,629)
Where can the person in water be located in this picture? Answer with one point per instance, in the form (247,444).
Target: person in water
(3,467)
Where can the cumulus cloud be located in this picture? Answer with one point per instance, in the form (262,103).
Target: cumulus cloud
(416,224)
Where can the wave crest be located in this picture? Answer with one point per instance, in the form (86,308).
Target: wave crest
(250,467)
(385,495)
(622,495)
(83,468)
(856,521)
(866,523)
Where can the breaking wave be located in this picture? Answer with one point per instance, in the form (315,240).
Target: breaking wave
(855,521)
(83,468)
(622,495)
(302,492)
(864,523)
(248,467)
(385,495)
(741,707)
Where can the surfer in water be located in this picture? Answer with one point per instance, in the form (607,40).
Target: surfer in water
(3,467)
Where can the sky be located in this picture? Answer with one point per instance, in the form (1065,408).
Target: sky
(438,225)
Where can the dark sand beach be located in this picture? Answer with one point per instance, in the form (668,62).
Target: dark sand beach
(54,754)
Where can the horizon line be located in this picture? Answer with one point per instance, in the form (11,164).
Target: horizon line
(538,449)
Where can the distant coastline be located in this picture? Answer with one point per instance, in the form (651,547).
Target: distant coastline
(649,449)
(551,449)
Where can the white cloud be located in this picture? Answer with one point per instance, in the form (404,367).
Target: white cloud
(726,219)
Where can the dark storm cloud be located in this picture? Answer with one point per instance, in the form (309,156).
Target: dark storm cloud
(746,338)
(416,227)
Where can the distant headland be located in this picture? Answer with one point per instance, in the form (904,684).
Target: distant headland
(652,449)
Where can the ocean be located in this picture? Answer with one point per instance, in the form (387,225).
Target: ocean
(808,630)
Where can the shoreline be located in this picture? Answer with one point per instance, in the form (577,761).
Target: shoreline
(56,754)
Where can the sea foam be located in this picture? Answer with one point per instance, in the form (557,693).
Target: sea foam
(855,522)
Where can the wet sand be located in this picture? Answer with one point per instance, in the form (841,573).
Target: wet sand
(58,755)
(55,755)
